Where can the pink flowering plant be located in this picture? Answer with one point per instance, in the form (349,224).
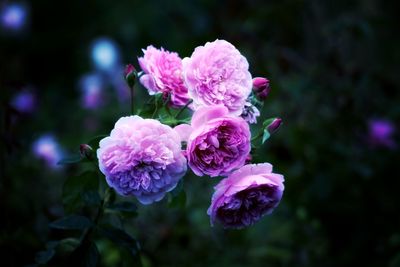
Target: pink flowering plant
(200,118)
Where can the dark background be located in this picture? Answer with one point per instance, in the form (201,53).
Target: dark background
(333,67)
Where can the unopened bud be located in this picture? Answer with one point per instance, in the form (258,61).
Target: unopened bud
(86,151)
(130,75)
(261,87)
(249,158)
(274,125)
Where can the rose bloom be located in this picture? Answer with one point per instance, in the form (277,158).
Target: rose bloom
(143,158)
(217,141)
(163,74)
(249,193)
(217,73)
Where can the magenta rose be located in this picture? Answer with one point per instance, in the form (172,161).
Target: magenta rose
(218,142)
(142,158)
(163,74)
(217,73)
(249,193)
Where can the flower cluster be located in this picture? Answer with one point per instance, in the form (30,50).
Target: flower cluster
(143,157)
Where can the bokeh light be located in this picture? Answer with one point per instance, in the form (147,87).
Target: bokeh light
(13,16)
(24,101)
(91,89)
(47,149)
(105,54)
(381,133)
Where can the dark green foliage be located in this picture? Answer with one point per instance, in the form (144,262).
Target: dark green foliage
(78,190)
(332,66)
(120,237)
(72,222)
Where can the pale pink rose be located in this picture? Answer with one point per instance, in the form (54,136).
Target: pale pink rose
(217,73)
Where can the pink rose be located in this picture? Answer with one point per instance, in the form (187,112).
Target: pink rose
(218,142)
(217,73)
(246,195)
(142,158)
(163,74)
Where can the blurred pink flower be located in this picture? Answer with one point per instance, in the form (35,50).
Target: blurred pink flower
(217,73)
(163,74)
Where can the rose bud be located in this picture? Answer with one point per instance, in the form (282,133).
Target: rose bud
(274,125)
(86,151)
(261,87)
(130,75)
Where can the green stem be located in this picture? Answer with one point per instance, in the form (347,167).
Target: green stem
(155,109)
(259,135)
(100,211)
(183,108)
(132,101)
(166,105)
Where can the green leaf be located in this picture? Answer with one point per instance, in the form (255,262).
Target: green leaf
(52,244)
(268,122)
(67,245)
(72,222)
(91,198)
(70,160)
(265,137)
(42,257)
(94,142)
(75,191)
(91,255)
(123,206)
(120,237)
(152,107)
(266,134)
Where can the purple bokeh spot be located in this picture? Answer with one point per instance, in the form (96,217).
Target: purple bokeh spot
(46,148)
(381,133)
(91,88)
(13,16)
(24,102)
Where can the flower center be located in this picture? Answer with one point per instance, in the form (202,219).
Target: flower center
(248,206)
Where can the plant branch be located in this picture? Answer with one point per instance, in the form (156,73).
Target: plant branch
(183,108)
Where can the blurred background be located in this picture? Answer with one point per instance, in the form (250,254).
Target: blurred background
(333,67)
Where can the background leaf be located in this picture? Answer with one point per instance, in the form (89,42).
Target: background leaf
(120,237)
(124,206)
(72,222)
(78,190)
